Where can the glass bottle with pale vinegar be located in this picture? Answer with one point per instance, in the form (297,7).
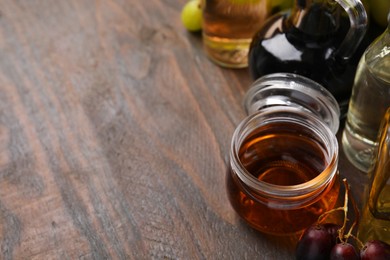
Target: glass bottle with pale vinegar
(369,101)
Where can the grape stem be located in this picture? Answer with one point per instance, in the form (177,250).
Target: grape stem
(347,197)
(355,209)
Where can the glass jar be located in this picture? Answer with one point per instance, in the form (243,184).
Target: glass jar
(282,171)
(369,101)
(228,27)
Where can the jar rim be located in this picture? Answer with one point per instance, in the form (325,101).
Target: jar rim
(289,89)
(285,191)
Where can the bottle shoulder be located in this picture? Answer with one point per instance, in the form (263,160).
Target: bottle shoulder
(378,53)
(276,24)
(282,24)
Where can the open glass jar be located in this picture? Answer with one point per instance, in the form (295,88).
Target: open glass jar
(282,171)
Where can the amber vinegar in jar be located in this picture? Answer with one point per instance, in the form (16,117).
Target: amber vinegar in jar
(282,173)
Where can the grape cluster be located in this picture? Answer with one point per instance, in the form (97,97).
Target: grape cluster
(320,241)
(329,241)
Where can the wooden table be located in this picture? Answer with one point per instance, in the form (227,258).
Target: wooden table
(114,130)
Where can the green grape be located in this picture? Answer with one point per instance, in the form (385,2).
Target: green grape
(191,16)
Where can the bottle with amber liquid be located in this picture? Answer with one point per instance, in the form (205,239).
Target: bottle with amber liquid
(375,221)
(315,40)
(228,27)
(282,174)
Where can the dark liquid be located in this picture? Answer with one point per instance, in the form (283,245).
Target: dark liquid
(281,47)
(277,154)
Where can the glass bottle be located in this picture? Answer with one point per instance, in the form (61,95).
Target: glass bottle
(369,101)
(315,40)
(228,27)
(375,221)
(282,172)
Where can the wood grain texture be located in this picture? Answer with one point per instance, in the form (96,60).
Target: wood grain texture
(114,129)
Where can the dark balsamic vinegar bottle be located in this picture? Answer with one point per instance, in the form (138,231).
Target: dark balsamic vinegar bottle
(317,40)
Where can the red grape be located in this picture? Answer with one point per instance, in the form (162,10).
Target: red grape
(333,231)
(315,243)
(330,241)
(375,249)
(344,251)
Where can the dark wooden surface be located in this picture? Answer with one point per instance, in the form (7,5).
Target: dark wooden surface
(114,130)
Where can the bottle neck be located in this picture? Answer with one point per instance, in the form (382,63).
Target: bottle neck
(316,17)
